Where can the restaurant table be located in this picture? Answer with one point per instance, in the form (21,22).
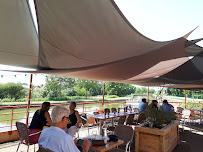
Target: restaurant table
(103,117)
(108,146)
(200,110)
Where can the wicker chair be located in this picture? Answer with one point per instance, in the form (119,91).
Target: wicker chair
(113,110)
(130,120)
(187,115)
(136,110)
(84,121)
(141,118)
(97,120)
(24,136)
(125,133)
(121,121)
(106,111)
(41,149)
(179,110)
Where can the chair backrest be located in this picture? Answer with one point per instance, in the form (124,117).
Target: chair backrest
(186,113)
(125,133)
(96,113)
(106,110)
(179,109)
(23,131)
(83,118)
(141,118)
(136,110)
(130,119)
(41,149)
(121,120)
(113,110)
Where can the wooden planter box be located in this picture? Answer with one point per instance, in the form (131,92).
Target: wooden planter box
(157,140)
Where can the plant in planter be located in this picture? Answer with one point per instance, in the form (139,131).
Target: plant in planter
(158,118)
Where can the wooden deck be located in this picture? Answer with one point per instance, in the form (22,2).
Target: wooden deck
(190,141)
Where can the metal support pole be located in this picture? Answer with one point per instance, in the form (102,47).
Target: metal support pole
(185,99)
(11,119)
(148,94)
(103,95)
(83,107)
(29,97)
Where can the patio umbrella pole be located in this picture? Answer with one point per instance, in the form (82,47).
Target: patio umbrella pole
(103,95)
(29,97)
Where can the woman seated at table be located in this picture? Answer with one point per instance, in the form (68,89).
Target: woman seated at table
(154,104)
(39,120)
(75,121)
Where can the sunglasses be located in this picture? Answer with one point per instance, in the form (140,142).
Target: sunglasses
(65,117)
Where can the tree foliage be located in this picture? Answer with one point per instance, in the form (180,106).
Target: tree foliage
(119,89)
(143,90)
(55,86)
(12,91)
(181,93)
(91,87)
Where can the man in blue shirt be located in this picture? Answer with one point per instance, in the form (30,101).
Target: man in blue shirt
(165,107)
(55,138)
(143,105)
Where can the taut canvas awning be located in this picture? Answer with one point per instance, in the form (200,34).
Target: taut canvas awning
(89,40)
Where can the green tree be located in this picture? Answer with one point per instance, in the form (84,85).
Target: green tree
(55,85)
(12,91)
(177,92)
(3,93)
(89,86)
(143,90)
(119,89)
(151,91)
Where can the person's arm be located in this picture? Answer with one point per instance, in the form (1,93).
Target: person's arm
(47,116)
(86,145)
(79,120)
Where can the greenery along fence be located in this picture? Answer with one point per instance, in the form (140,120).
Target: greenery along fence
(10,114)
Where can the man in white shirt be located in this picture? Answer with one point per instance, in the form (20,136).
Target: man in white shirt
(55,138)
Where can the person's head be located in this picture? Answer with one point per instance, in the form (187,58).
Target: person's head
(72,106)
(45,106)
(165,102)
(60,116)
(155,102)
(144,100)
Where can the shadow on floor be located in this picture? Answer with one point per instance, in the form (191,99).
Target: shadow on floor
(190,142)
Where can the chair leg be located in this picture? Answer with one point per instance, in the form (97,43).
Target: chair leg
(28,148)
(34,147)
(184,125)
(18,147)
(88,131)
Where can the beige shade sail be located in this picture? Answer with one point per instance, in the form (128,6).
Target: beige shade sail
(89,39)
(18,37)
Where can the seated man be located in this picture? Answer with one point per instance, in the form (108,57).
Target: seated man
(75,121)
(165,107)
(143,105)
(55,138)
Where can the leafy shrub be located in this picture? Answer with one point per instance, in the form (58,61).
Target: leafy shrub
(112,96)
(40,99)
(12,100)
(159,117)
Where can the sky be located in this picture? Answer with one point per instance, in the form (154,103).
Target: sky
(158,20)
